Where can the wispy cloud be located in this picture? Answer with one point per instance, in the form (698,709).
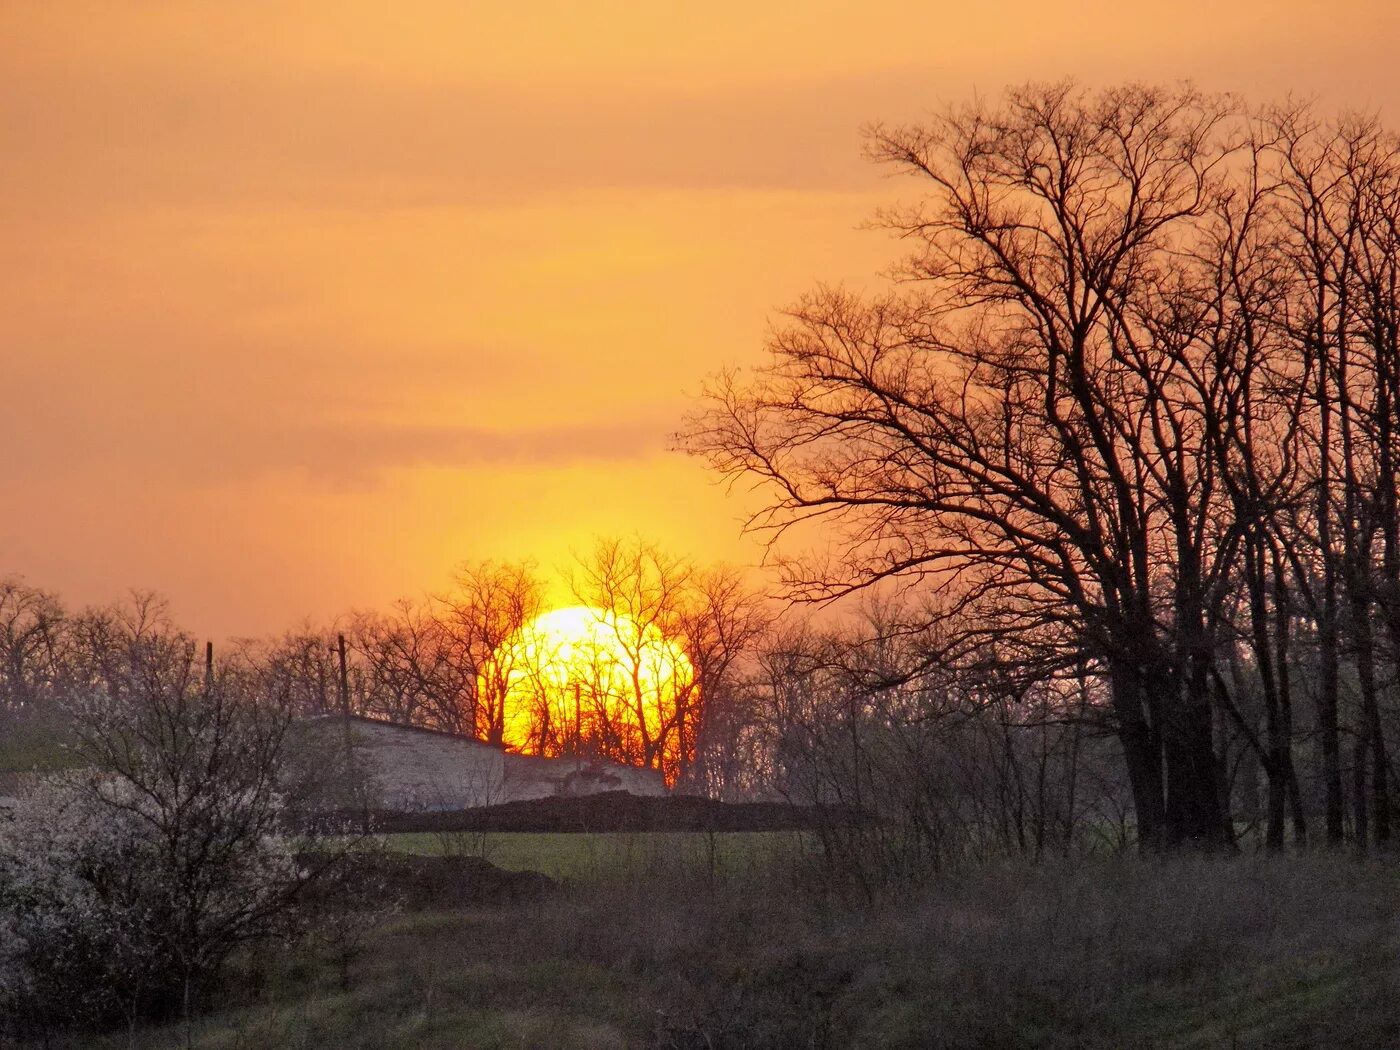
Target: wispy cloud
(184,447)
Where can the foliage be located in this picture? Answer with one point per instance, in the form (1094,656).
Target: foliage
(105,919)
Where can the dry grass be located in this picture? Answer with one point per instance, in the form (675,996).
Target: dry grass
(1190,952)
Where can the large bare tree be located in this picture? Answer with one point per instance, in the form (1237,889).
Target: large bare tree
(1030,419)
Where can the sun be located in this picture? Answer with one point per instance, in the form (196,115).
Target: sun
(583,680)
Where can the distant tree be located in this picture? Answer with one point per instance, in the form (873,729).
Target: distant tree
(490,604)
(302,665)
(112,646)
(412,667)
(641,593)
(679,634)
(32,644)
(720,627)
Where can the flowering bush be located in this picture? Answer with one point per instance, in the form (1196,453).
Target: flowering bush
(125,886)
(77,923)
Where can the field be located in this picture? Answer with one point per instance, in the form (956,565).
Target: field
(593,857)
(1194,952)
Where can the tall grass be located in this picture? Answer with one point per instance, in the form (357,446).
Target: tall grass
(1107,952)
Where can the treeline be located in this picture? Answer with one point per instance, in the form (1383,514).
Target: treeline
(443,662)
(1133,411)
(912,764)
(1123,441)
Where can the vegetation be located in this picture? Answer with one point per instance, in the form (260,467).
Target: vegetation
(129,881)
(591,858)
(36,744)
(1110,478)
(1131,418)
(1190,952)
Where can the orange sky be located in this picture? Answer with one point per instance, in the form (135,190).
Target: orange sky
(302,304)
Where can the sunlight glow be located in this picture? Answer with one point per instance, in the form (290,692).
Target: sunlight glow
(582,680)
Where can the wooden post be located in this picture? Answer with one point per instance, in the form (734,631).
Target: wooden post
(349,736)
(344,682)
(578,728)
(208,667)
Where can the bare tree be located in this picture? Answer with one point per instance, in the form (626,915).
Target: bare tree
(1031,419)
(490,605)
(1134,410)
(1339,207)
(302,665)
(412,667)
(32,643)
(640,594)
(719,625)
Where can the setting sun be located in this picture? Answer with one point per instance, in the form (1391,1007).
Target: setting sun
(583,680)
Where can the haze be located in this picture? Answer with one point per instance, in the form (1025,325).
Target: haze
(304,304)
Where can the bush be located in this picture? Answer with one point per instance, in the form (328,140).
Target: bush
(101,921)
(126,886)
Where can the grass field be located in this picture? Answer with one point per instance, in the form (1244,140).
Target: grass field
(590,857)
(1187,954)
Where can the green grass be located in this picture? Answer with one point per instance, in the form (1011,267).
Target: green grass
(592,856)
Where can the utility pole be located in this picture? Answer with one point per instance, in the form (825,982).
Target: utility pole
(344,682)
(578,728)
(349,736)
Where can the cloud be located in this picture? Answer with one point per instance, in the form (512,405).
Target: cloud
(305,139)
(354,454)
(206,126)
(185,447)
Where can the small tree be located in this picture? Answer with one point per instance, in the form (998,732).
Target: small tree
(135,881)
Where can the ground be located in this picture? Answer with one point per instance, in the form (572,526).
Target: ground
(654,948)
(590,858)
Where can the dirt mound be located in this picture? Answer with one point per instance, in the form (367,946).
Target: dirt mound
(608,811)
(437,882)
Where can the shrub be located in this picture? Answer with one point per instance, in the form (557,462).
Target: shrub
(101,920)
(125,887)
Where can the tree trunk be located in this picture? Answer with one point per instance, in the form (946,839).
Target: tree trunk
(1372,735)
(1327,685)
(1142,756)
(1193,811)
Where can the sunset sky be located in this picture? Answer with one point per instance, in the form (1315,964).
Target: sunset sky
(303,304)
